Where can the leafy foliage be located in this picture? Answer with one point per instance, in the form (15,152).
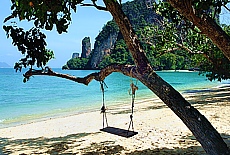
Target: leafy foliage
(211,8)
(31,44)
(45,13)
(206,55)
(139,16)
(196,49)
(142,18)
(175,43)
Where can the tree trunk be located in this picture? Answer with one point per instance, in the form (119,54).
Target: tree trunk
(207,25)
(201,128)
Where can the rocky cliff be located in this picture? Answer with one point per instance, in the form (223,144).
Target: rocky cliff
(86,47)
(104,43)
(140,14)
(102,49)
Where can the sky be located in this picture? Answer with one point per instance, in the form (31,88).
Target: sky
(88,21)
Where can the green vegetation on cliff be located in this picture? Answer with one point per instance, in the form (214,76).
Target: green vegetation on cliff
(76,63)
(143,18)
(110,28)
(119,54)
(171,45)
(168,45)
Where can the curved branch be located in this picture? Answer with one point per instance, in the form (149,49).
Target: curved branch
(206,25)
(226,7)
(127,70)
(8,18)
(95,5)
(181,46)
(99,7)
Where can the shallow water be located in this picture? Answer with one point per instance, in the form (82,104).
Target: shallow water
(44,97)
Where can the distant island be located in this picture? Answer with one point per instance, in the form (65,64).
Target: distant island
(4,65)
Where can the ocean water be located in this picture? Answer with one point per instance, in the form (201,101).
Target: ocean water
(45,97)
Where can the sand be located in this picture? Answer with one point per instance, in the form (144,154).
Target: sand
(160,131)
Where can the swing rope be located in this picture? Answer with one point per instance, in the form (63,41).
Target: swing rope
(114,130)
(134,88)
(103,108)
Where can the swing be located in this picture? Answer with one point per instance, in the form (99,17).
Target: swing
(113,130)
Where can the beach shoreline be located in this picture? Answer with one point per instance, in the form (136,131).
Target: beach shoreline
(159,129)
(33,119)
(46,97)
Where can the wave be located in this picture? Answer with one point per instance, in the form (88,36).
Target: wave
(2,120)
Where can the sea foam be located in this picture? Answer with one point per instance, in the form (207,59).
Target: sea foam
(2,120)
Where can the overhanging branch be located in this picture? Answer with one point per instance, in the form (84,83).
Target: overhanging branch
(127,70)
(206,25)
(95,5)
(226,7)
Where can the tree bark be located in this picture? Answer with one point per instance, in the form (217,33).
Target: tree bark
(206,25)
(201,128)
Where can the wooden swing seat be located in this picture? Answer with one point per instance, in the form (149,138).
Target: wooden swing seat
(119,132)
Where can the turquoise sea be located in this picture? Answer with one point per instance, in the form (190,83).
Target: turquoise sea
(45,97)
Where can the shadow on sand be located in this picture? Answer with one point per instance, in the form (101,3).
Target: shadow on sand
(71,144)
(202,98)
(40,145)
(199,98)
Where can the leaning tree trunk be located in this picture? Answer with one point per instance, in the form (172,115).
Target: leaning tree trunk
(201,128)
(207,25)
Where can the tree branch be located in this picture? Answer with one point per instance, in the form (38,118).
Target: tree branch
(181,46)
(226,7)
(95,5)
(205,24)
(8,18)
(127,70)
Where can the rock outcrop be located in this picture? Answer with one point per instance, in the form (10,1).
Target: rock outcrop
(102,49)
(140,14)
(86,47)
(104,42)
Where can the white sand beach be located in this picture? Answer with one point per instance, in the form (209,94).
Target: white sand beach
(160,131)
